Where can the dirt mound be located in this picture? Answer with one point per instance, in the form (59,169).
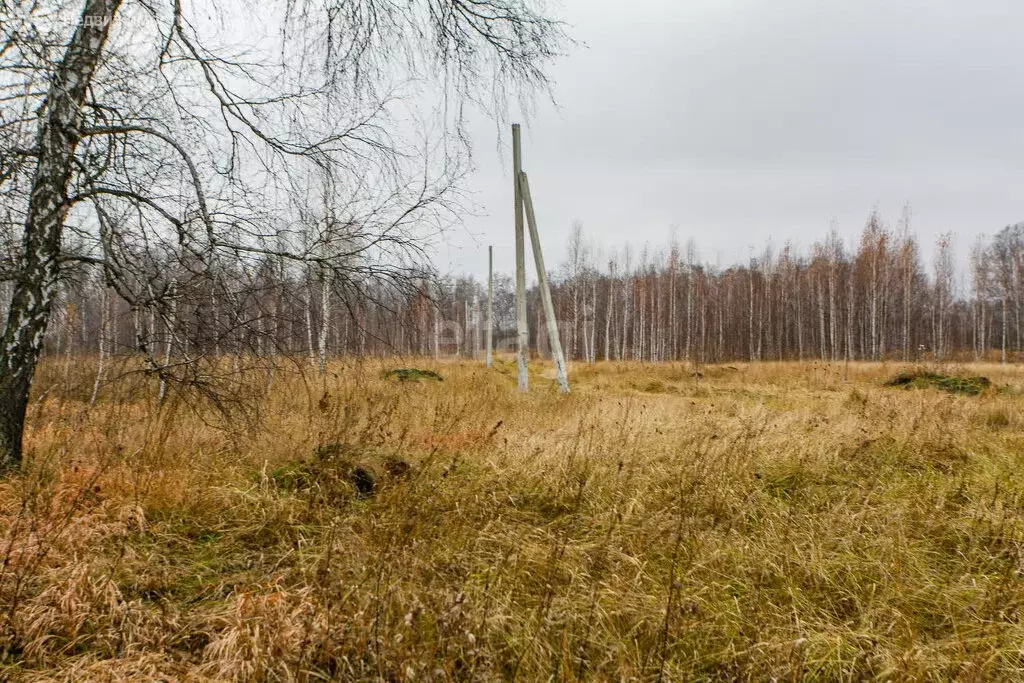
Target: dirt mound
(412,375)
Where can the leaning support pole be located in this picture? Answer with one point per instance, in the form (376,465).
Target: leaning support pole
(522,334)
(490,302)
(545,292)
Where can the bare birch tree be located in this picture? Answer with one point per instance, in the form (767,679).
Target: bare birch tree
(142,106)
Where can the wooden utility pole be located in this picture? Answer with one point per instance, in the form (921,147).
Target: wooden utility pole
(545,292)
(490,302)
(522,334)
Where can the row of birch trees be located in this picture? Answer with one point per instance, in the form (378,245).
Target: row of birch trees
(868,298)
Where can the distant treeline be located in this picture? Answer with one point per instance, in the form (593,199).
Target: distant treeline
(830,302)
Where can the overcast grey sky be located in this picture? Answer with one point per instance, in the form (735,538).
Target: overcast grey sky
(736,121)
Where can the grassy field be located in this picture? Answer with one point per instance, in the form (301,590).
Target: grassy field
(796,521)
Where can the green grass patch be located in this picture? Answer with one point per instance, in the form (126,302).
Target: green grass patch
(970,386)
(412,375)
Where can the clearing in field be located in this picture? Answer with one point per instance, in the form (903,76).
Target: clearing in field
(752,521)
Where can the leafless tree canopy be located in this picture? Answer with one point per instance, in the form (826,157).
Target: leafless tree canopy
(182,151)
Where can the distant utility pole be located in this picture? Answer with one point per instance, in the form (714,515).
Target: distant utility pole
(490,302)
(524,203)
(522,334)
(476,326)
(545,293)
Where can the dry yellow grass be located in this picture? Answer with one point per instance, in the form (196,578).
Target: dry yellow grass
(797,521)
